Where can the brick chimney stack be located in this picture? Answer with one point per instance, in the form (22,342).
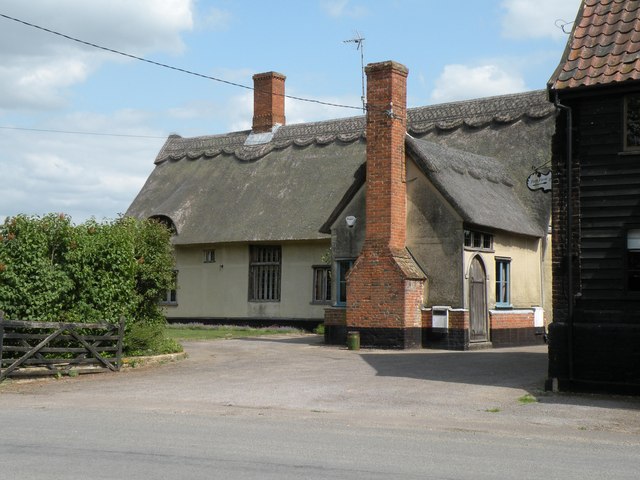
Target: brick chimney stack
(268,101)
(385,285)
(386,206)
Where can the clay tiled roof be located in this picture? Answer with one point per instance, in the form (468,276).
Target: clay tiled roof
(604,46)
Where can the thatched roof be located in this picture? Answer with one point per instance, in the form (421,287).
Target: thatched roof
(477,187)
(284,186)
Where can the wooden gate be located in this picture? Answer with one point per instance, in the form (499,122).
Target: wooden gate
(51,348)
(477,301)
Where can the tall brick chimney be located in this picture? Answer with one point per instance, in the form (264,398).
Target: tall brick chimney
(268,101)
(385,285)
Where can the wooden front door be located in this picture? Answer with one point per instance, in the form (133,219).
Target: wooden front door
(477,301)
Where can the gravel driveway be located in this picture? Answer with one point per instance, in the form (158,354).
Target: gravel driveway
(298,375)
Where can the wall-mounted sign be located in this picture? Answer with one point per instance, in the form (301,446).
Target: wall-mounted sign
(539,181)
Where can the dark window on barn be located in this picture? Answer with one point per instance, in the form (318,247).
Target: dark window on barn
(321,284)
(633,260)
(632,122)
(264,273)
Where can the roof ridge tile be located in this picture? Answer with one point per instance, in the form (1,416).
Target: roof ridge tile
(474,114)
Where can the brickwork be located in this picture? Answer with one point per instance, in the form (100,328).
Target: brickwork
(559,204)
(386,210)
(519,319)
(384,286)
(335,316)
(335,326)
(508,328)
(268,101)
(513,328)
(456,337)
(427,319)
(459,319)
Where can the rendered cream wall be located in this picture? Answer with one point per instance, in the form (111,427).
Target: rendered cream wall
(220,289)
(526,269)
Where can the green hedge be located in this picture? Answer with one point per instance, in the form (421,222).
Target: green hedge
(53,270)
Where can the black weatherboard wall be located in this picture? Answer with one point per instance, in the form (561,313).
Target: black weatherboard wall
(595,334)
(596,344)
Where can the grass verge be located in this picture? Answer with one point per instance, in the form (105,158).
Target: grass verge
(526,399)
(222,332)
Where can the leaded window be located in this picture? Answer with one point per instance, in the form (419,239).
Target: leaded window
(321,284)
(264,273)
(474,240)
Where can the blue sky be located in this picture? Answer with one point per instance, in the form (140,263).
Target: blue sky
(454,51)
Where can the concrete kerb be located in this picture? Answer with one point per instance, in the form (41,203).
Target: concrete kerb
(38,373)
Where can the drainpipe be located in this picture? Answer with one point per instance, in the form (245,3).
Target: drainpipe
(569,224)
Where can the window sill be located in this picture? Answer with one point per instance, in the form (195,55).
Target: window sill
(474,249)
(320,302)
(168,304)
(504,306)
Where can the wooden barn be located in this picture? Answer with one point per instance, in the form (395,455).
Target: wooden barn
(595,335)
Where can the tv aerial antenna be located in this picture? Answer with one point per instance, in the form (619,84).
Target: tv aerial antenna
(358,40)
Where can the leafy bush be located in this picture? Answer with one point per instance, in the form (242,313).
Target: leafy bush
(52,270)
(150,340)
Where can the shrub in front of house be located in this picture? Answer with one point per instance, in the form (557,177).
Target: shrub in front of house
(53,270)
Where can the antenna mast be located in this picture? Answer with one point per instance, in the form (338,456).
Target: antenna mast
(359,41)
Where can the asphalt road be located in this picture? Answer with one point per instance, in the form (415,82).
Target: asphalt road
(285,408)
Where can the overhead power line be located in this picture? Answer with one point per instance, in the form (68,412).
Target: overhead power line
(45,130)
(164,65)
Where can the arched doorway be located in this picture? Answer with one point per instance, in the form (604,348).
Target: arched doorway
(478,301)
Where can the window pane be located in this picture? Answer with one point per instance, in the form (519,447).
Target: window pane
(502,282)
(487,241)
(321,284)
(477,240)
(467,238)
(343,269)
(633,121)
(633,239)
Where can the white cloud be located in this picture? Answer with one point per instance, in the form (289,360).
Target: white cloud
(217,19)
(240,111)
(39,83)
(343,8)
(526,19)
(37,67)
(80,175)
(460,82)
